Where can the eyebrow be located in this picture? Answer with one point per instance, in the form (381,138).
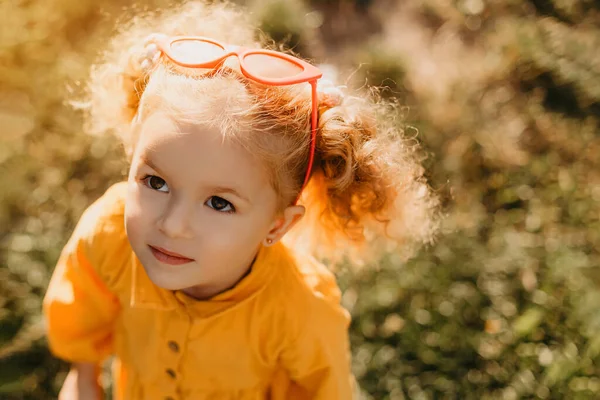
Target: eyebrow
(149,163)
(217,189)
(223,189)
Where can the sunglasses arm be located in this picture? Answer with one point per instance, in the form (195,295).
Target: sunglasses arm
(313,135)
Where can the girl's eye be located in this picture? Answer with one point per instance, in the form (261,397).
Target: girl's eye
(220,204)
(156,183)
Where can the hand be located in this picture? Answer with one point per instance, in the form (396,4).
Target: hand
(81,384)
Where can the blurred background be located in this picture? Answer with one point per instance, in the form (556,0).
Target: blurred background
(503,95)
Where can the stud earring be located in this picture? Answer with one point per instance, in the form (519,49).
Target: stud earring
(269,241)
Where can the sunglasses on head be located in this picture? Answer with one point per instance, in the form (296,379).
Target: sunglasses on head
(263,66)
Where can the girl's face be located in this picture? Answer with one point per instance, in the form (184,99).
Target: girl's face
(197,207)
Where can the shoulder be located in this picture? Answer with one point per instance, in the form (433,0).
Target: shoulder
(309,294)
(108,211)
(316,279)
(100,235)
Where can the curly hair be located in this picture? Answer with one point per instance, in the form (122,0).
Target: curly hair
(367,185)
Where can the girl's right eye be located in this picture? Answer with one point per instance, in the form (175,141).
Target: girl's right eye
(156,183)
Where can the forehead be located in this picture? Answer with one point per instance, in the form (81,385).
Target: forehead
(199,154)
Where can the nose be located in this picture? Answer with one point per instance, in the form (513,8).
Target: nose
(175,222)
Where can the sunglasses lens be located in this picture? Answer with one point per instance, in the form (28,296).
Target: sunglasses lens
(196,51)
(271,66)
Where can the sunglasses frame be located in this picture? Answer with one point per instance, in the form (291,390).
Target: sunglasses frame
(310,74)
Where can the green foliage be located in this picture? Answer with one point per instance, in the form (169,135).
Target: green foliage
(505,304)
(282,20)
(505,96)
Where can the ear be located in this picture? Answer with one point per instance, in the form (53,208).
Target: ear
(286,220)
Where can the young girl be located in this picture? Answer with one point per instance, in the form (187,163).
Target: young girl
(181,272)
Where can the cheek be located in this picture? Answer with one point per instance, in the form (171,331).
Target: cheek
(228,232)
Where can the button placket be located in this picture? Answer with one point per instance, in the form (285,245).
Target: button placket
(174,342)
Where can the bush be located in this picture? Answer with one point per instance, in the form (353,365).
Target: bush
(503,96)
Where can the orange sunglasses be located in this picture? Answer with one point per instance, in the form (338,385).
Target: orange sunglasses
(264,66)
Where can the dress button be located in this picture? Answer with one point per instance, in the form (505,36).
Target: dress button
(173,346)
(171,373)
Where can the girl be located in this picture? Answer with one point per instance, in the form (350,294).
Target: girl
(181,272)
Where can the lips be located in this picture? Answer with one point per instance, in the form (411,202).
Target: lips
(169,257)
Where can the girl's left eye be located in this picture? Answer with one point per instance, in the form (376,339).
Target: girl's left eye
(220,204)
(156,183)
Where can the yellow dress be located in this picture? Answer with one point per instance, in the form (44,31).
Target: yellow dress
(279,334)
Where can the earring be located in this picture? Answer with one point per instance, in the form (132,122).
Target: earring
(269,241)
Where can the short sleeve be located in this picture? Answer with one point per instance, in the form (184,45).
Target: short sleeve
(318,360)
(80,306)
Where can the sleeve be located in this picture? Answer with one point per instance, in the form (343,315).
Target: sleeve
(318,360)
(79,308)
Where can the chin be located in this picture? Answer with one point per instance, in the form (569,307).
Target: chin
(165,279)
(167,282)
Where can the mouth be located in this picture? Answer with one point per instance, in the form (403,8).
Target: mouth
(168,257)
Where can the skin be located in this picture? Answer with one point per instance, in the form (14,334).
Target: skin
(81,383)
(192,193)
(174,202)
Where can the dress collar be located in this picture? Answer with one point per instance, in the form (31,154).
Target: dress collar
(145,294)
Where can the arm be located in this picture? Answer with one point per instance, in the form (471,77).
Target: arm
(318,360)
(79,308)
(81,383)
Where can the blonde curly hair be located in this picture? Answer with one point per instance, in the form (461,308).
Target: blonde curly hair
(367,192)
